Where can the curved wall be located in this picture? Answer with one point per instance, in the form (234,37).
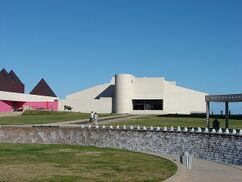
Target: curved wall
(225,148)
(123,93)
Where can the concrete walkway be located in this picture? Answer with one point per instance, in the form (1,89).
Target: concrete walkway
(100,121)
(207,171)
(203,171)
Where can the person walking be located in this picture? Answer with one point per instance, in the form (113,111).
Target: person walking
(95,118)
(91,117)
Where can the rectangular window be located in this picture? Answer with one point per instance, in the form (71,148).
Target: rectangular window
(154,104)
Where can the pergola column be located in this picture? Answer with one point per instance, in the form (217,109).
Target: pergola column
(226,114)
(222,99)
(208,113)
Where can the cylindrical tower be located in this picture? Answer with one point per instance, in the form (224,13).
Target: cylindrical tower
(123,93)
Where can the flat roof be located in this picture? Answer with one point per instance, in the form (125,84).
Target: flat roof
(224,98)
(20,97)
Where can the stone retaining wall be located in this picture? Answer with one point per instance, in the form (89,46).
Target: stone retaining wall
(225,148)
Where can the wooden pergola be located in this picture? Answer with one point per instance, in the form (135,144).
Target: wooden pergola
(222,98)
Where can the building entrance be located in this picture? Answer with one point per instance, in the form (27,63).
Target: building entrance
(151,104)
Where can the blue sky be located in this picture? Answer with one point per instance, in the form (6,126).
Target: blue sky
(77,44)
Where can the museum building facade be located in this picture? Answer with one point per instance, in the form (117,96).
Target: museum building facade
(137,95)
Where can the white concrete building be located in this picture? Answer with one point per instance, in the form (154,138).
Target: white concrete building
(129,94)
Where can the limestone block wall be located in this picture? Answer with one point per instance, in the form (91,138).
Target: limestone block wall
(101,105)
(98,99)
(225,148)
(148,88)
(183,101)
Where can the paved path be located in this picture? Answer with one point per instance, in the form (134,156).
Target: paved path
(111,120)
(100,121)
(204,171)
(207,171)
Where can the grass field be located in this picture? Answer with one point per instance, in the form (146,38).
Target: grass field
(21,162)
(44,117)
(155,120)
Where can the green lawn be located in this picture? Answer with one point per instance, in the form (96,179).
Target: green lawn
(21,162)
(154,120)
(44,117)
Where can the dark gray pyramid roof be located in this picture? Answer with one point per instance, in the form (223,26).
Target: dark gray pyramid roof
(42,88)
(5,75)
(15,77)
(9,82)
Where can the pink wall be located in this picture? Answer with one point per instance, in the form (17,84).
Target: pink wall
(43,105)
(5,106)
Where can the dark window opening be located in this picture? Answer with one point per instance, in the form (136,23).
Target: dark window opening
(147,104)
